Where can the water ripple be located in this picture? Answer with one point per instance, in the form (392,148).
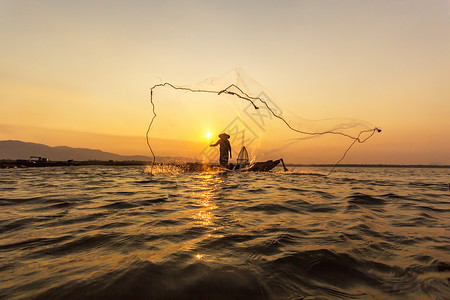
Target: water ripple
(119,233)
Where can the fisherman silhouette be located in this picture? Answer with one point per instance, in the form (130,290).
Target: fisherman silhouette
(225,147)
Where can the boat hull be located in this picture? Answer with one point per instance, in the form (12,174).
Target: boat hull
(264,166)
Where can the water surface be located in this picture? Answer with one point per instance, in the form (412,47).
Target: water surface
(117,232)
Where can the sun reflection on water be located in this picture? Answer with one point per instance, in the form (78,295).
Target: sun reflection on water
(209,184)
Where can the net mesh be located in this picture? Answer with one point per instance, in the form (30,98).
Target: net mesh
(238,105)
(242,160)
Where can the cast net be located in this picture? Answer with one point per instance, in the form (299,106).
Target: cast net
(188,118)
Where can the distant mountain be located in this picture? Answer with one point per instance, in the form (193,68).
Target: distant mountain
(23,150)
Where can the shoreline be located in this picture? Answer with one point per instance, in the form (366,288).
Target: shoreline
(8,163)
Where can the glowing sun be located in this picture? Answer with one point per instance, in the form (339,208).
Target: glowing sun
(208,135)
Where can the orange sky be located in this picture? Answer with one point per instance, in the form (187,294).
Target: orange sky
(78,73)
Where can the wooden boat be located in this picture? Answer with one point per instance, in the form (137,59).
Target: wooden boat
(242,165)
(264,166)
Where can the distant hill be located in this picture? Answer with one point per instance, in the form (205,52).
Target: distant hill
(23,150)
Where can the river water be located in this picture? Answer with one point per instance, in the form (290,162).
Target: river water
(119,233)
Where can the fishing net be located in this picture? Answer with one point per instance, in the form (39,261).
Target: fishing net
(186,119)
(242,161)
